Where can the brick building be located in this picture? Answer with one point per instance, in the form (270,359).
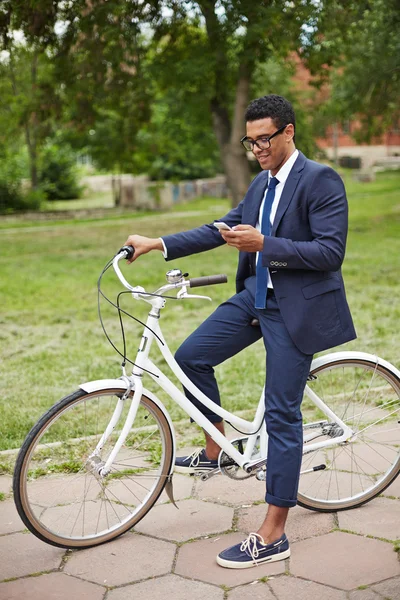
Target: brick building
(338,141)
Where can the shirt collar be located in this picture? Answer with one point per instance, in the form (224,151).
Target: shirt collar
(284,171)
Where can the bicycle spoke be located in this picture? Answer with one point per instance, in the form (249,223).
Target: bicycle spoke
(367,399)
(87,507)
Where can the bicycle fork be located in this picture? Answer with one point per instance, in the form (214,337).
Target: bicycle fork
(103,469)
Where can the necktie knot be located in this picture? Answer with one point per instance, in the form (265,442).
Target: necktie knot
(273,182)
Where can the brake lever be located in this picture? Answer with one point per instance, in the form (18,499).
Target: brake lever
(183,294)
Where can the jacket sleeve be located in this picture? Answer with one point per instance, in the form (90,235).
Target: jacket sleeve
(328,222)
(205,237)
(200,239)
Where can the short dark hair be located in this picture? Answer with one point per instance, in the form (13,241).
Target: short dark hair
(274,107)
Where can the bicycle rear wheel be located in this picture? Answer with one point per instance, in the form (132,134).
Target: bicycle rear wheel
(58,491)
(366,397)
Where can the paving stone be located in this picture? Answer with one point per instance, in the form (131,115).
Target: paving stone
(182,488)
(333,484)
(54,586)
(380,518)
(49,491)
(127,559)
(9,518)
(198,560)
(343,560)
(385,433)
(231,491)
(85,517)
(193,519)
(301,523)
(287,588)
(389,589)
(129,492)
(367,594)
(5,484)
(170,586)
(23,554)
(369,459)
(256,590)
(394,488)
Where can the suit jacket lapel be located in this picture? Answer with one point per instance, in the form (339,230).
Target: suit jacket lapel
(288,190)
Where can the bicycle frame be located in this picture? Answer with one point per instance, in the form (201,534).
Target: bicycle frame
(250,429)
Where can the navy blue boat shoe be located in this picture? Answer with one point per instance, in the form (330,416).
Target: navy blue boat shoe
(252,552)
(196,462)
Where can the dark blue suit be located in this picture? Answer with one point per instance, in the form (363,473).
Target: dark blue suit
(307,312)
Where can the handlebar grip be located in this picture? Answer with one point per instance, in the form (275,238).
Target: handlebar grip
(129,251)
(208,280)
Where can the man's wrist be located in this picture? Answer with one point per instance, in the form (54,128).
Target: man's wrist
(156,244)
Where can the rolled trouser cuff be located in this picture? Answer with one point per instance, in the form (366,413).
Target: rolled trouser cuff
(282,502)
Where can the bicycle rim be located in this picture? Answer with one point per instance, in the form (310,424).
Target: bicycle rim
(366,397)
(59,493)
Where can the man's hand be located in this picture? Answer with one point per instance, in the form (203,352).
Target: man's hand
(245,238)
(143,245)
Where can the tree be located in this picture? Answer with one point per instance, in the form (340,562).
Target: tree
(30,101)
(99,48)
(238,36)
(355,47)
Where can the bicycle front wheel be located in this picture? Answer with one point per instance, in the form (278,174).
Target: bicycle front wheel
(59,492)
(366,397)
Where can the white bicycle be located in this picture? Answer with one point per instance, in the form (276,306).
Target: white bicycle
(96,462)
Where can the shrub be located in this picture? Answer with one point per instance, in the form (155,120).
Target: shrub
(12,196)
(58,174)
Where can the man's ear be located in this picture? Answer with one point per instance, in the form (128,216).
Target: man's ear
(289,132)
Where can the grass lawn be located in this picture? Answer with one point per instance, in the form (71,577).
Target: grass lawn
(50,337)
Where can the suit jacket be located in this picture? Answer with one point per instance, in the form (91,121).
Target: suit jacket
(304,252)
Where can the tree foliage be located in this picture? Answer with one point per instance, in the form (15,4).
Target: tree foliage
(355,46)
(162,86)
(115,58)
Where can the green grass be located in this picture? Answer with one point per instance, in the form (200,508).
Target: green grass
(50,337)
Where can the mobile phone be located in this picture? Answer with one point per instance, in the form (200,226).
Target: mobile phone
(221,226)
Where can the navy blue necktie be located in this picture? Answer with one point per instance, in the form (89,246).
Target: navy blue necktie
(262,272)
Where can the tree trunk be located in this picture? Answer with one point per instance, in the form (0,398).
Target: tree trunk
(31,143)
(116,189)
(31,129)
(228,134)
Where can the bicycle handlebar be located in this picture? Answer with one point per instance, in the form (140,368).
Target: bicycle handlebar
(127,252)
(207,280)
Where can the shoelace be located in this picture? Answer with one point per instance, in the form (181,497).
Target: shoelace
(195,456)
(250,545)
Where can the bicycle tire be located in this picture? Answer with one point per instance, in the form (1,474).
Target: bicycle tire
(58,491)
(366,397)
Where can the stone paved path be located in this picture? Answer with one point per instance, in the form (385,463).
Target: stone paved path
(171,554)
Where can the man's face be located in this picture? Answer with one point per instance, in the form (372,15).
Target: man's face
(282,146)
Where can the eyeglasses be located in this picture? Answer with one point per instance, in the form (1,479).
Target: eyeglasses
(263,143)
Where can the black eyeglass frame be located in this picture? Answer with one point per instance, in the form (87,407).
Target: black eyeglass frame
(266,138)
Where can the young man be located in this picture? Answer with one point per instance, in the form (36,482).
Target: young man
(290,230)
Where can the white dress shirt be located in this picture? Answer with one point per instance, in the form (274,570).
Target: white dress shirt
(281,175)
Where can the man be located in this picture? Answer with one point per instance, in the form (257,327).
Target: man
(290,230)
